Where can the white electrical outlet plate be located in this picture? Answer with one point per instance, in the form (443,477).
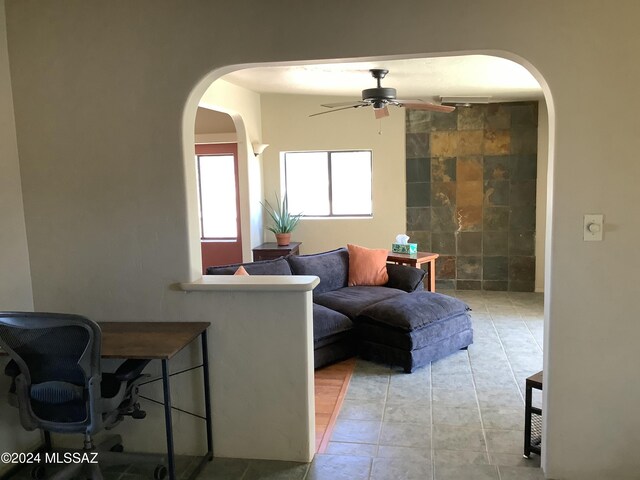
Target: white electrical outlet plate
(593,227)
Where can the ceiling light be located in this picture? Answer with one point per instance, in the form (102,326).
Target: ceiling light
(258,148)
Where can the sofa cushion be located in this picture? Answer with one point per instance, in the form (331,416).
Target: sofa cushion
(409,359)
(367,266)
(331,267)
(405,277)
(422,337)
(413,311)
(279,266)
(327,322)
(352,300)
(419,329)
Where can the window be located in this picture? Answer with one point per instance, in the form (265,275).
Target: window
(328,184)
(217,192)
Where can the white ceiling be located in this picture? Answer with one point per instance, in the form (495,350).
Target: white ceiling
(416,78)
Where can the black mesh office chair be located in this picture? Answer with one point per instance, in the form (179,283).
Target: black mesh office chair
(58,386)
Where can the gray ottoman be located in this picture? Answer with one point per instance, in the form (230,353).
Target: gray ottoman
(413,330)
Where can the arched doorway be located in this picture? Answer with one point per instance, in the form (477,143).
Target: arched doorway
(270,165)
(218,193)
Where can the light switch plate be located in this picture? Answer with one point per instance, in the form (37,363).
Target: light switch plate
(593,227)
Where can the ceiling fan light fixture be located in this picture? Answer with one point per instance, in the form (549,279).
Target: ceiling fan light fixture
(380,98)
(378,93)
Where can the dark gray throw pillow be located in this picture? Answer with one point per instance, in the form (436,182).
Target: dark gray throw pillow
(405,278)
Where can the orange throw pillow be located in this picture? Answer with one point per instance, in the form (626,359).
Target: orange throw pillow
(367,266)
(241,271)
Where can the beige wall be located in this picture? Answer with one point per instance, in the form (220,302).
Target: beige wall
(210,121)
(15,279)
(110,217)
(214,127)
(541,192)
(287,127)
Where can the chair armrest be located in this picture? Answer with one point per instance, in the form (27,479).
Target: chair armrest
(11,369)
(130,370)
(405,278)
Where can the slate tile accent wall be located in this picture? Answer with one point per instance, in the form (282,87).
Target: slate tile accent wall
(471,193)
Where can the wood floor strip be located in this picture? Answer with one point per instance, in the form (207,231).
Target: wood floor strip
(331,384)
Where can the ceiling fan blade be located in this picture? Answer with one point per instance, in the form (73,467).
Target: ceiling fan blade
(425,106)
(381,112)
(343,104)
(338,109)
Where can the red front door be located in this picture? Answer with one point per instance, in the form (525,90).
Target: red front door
(219,200)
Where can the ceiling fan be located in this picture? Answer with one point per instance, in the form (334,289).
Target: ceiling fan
(380,98)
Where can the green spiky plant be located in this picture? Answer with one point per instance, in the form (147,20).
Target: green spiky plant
(283,221)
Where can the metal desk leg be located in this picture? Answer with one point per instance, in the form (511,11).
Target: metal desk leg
(207,393)
(167,418)
(527,420)
(207,457)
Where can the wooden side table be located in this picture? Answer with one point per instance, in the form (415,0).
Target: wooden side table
(532,417)
(417,260)
(271,250)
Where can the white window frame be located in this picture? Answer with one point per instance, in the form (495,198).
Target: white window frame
(330,193)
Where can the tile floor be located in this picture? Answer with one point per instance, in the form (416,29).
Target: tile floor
(460,418)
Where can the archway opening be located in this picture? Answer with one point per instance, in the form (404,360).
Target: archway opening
(493,311)
(218,188)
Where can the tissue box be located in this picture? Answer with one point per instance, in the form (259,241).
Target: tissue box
(404,248)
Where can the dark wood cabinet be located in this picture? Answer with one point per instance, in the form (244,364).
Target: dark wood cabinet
(271,250)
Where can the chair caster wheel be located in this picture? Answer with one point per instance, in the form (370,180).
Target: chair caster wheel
(119,448)
(139,414)
(160,472)
(38,472)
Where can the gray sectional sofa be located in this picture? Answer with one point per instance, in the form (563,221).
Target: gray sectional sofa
(397,323)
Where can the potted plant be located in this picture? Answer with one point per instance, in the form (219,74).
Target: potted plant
(283,222)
